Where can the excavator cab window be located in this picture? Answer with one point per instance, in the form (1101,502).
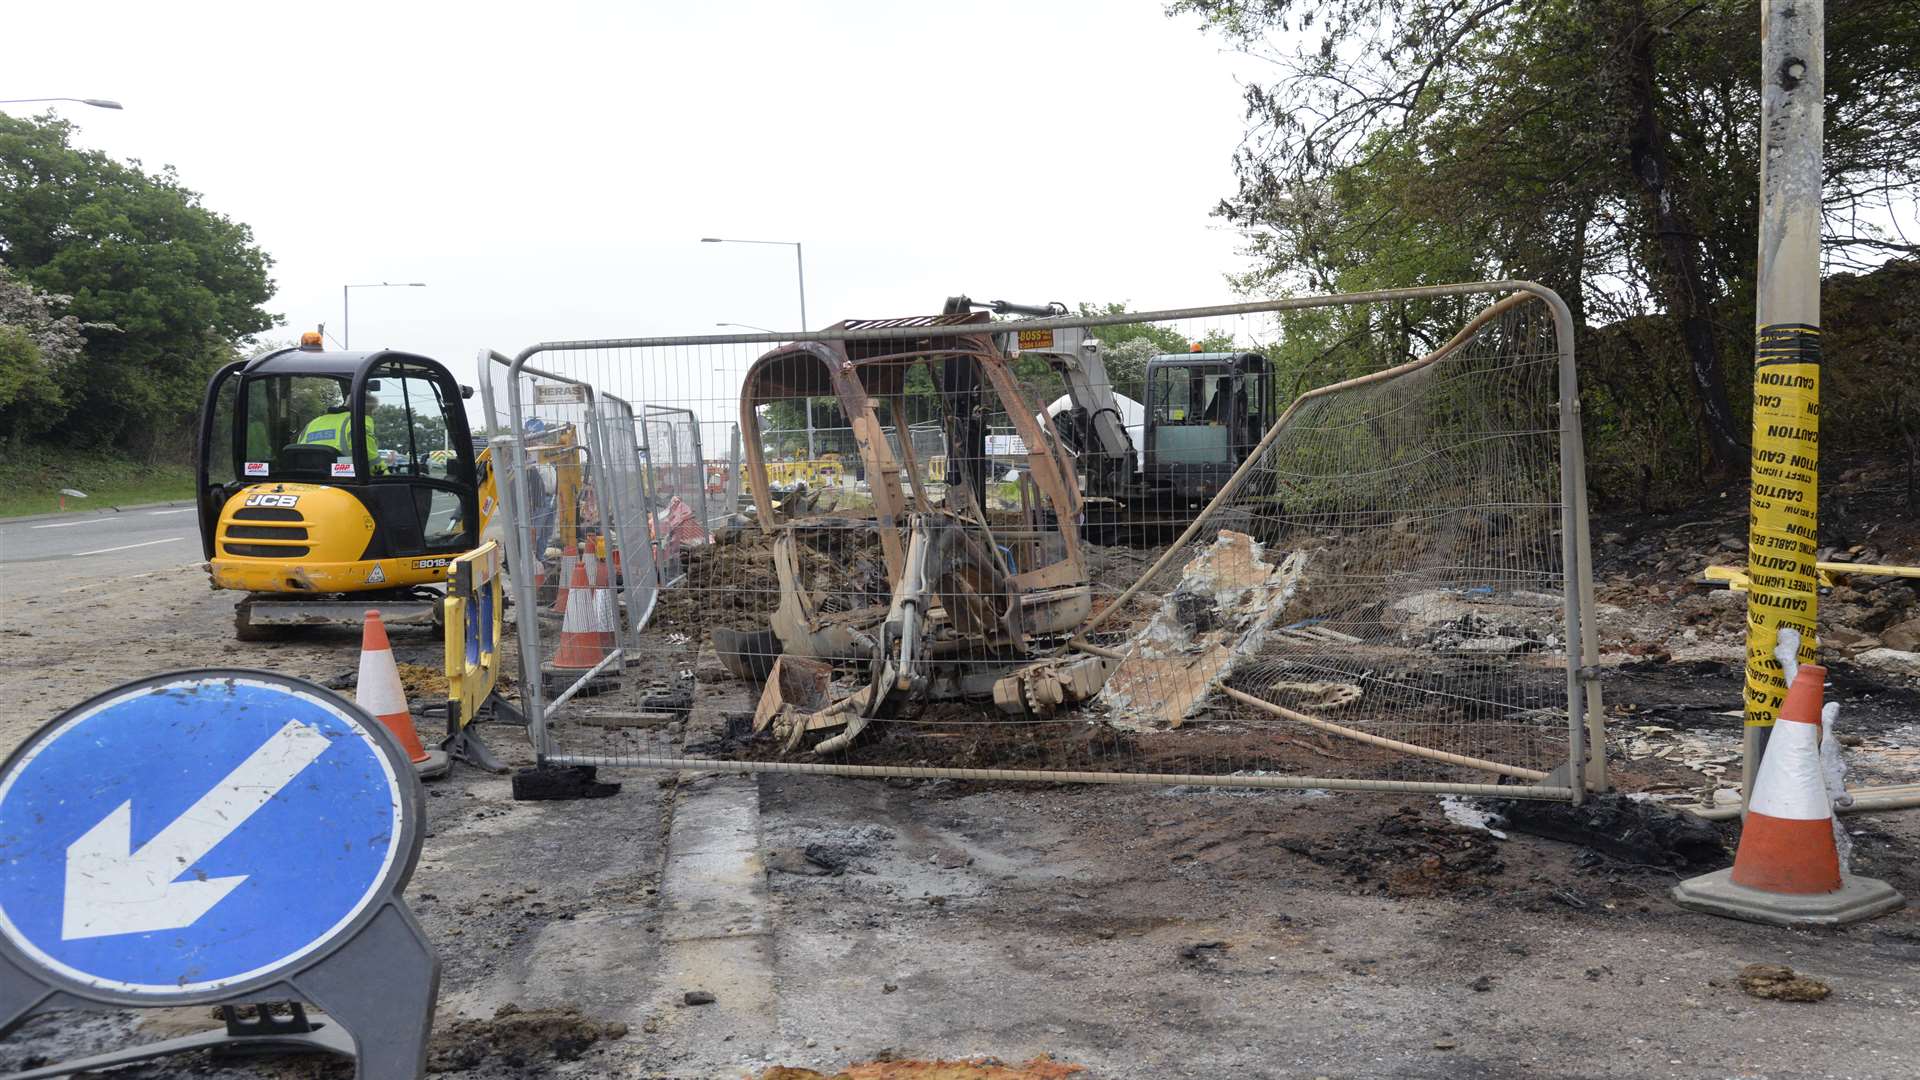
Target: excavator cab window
(297,427)
(1190,407)
(411,440)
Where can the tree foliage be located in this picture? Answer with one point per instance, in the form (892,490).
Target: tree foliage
(38,344)
(181,284)
(1606,148)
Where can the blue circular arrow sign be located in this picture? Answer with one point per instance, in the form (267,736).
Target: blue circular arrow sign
(199,832)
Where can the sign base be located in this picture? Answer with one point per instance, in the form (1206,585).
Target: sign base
(376,989)
(297,1035)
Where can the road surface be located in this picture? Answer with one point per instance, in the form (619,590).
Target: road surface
(52,555)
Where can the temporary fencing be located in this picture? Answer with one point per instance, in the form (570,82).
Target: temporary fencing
(1321,542)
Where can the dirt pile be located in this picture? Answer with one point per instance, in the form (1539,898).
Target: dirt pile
(732,583)
(1777,982)
(1631,830)
(1410,855)
(516,1040)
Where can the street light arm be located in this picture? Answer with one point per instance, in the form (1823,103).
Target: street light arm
(346,311)
(98,103)
(799,264)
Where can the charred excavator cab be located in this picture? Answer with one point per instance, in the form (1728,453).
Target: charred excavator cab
(324,476)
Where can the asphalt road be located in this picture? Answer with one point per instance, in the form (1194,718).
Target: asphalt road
(51,555)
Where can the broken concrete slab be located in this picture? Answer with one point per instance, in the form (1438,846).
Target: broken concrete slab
(1225,602)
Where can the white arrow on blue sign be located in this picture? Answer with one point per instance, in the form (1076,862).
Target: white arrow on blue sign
(186,835)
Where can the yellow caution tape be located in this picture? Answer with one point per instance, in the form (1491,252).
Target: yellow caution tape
(1783,508)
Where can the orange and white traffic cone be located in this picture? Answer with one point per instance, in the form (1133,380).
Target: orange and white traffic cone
(379,692)
(567,562)
(585,637)
(603,592)
(1787,870)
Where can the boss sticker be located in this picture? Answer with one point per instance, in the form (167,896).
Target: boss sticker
(430,564)
(256,468)
(284,501)
(343,468)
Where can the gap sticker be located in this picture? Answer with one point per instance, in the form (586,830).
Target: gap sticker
(256,468)
(343,468)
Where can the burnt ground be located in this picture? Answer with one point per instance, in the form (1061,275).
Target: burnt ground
(1138,932)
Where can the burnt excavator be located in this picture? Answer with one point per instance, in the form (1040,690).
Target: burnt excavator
(982,604)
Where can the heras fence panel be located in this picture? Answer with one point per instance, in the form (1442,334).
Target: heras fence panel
(1323,542)
(676,461)
(575,526)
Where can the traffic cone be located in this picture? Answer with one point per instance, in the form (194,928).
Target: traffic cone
(1787,870)
(567,562)
(585,637)
(379,692)
(603,592)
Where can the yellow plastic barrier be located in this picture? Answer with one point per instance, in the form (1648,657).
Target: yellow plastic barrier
(475,604)
(825,471)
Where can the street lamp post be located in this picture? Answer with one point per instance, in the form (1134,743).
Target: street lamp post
(801,268)
(98,103)
(346,318)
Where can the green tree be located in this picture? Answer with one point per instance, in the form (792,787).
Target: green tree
(182,284)
(38,343)
(1608,148)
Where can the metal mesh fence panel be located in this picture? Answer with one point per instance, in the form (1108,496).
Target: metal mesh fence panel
(1333,542)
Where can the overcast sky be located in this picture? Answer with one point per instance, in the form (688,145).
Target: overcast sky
(548,169)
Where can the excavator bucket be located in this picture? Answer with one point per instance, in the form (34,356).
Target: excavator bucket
(795,685)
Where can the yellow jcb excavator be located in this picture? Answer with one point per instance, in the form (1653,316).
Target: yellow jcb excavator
(333,482)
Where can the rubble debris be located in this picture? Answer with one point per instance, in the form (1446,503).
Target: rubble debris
(884,1067)
(1204,952)
(1777,982)
(1702,752)
(517,1038)
(1318,696)
(1470,814)
(1477,621)
(1408,856)
(676,700)
(835,851)
(1226,599)
(1631,830)
(1890,662)
(698,997)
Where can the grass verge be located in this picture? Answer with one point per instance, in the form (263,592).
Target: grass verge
(31,479)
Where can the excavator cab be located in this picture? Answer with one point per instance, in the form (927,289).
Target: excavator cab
(322,474)
(1205,413)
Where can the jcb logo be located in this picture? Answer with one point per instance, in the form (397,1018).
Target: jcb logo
(284,501)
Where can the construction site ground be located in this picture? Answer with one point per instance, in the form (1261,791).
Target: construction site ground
(1137,932)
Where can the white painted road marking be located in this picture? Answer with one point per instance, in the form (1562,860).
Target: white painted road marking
(113,889)
(182,510)
(127,547)
(62,525)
